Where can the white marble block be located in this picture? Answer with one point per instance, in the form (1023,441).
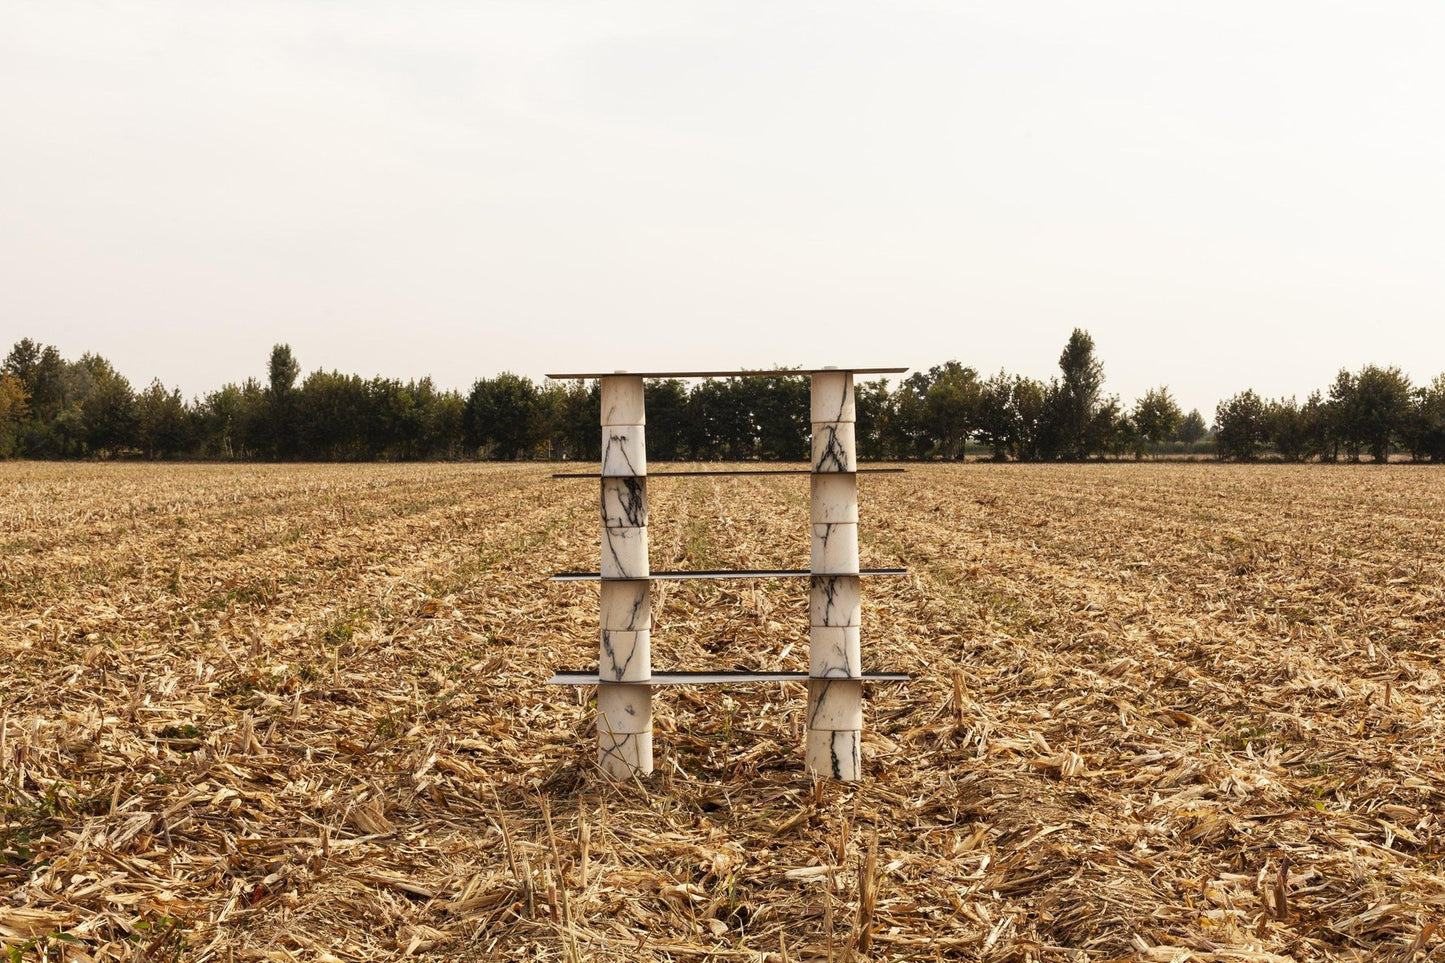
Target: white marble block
(622,400)
(835,652)
(626,606)
(834,446)
(835,755)
(833,396)
(835,704)
(624,553)
(834,497)
(835,600)
(835,549)
(624,451)
(625,656)
(624,502)
(625,754)
(624,708)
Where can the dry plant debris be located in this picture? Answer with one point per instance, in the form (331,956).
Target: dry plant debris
(1159,712)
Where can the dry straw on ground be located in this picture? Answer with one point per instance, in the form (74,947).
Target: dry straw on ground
(1158,712)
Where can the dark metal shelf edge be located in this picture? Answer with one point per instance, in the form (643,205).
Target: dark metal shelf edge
(752,471)
(719,678)
(737,373)
(723,573)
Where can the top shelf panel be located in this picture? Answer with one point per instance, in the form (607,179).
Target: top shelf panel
(733,472)
(742,373)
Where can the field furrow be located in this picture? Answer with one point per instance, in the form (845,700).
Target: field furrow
(1157,711)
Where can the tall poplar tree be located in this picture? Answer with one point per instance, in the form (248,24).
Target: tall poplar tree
(1078,399)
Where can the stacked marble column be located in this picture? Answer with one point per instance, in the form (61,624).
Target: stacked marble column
(624,663)
(835,686)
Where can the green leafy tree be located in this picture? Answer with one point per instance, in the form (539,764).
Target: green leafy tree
(418,422)
(722,420)
(23,359)
(1078,397)
(58,385)
(1112,430)
(331,417)
(908,433)
(996,425)
(21,367)
(216,417)
(950,409)
(14,411)
(42,371)
(1343,420)
(1316,416)
(1426,428)
(282,371)
(1239,427)
(779,409)
(874,407)
(1383,399)
(390,419)
(1157,416)
(574,409)
(1192,428)
(54,426)
(108,408)
(1036,425)
(1287,427)
(162,423)
(552,427)
(503,416)
(447,416)
(233,421)
(254,430)
(669,433)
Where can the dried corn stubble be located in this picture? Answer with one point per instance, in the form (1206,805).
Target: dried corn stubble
(281,711)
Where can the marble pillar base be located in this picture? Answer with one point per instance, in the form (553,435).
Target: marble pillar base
(835,652)
(622,401)
(833,396)
(624,451)
(624,553)
(624,502)
(835,446)
(834,498)
(626,606)
(624,708)
(835,549)
(835,600)
(835,704)
(835,754)
(623,755)
(625,656)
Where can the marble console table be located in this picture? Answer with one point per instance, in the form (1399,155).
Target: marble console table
(624,677)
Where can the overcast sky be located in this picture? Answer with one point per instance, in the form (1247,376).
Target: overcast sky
(1225,195)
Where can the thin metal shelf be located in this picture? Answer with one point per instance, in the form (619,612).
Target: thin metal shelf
(722,573)
(720,678)
(737,373)
(732,471)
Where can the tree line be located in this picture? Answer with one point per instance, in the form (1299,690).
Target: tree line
(51,407)
(1374,411)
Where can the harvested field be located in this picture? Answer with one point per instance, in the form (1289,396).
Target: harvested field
(1159,712)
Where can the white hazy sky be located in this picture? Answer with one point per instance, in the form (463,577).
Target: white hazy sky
(1224,194)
